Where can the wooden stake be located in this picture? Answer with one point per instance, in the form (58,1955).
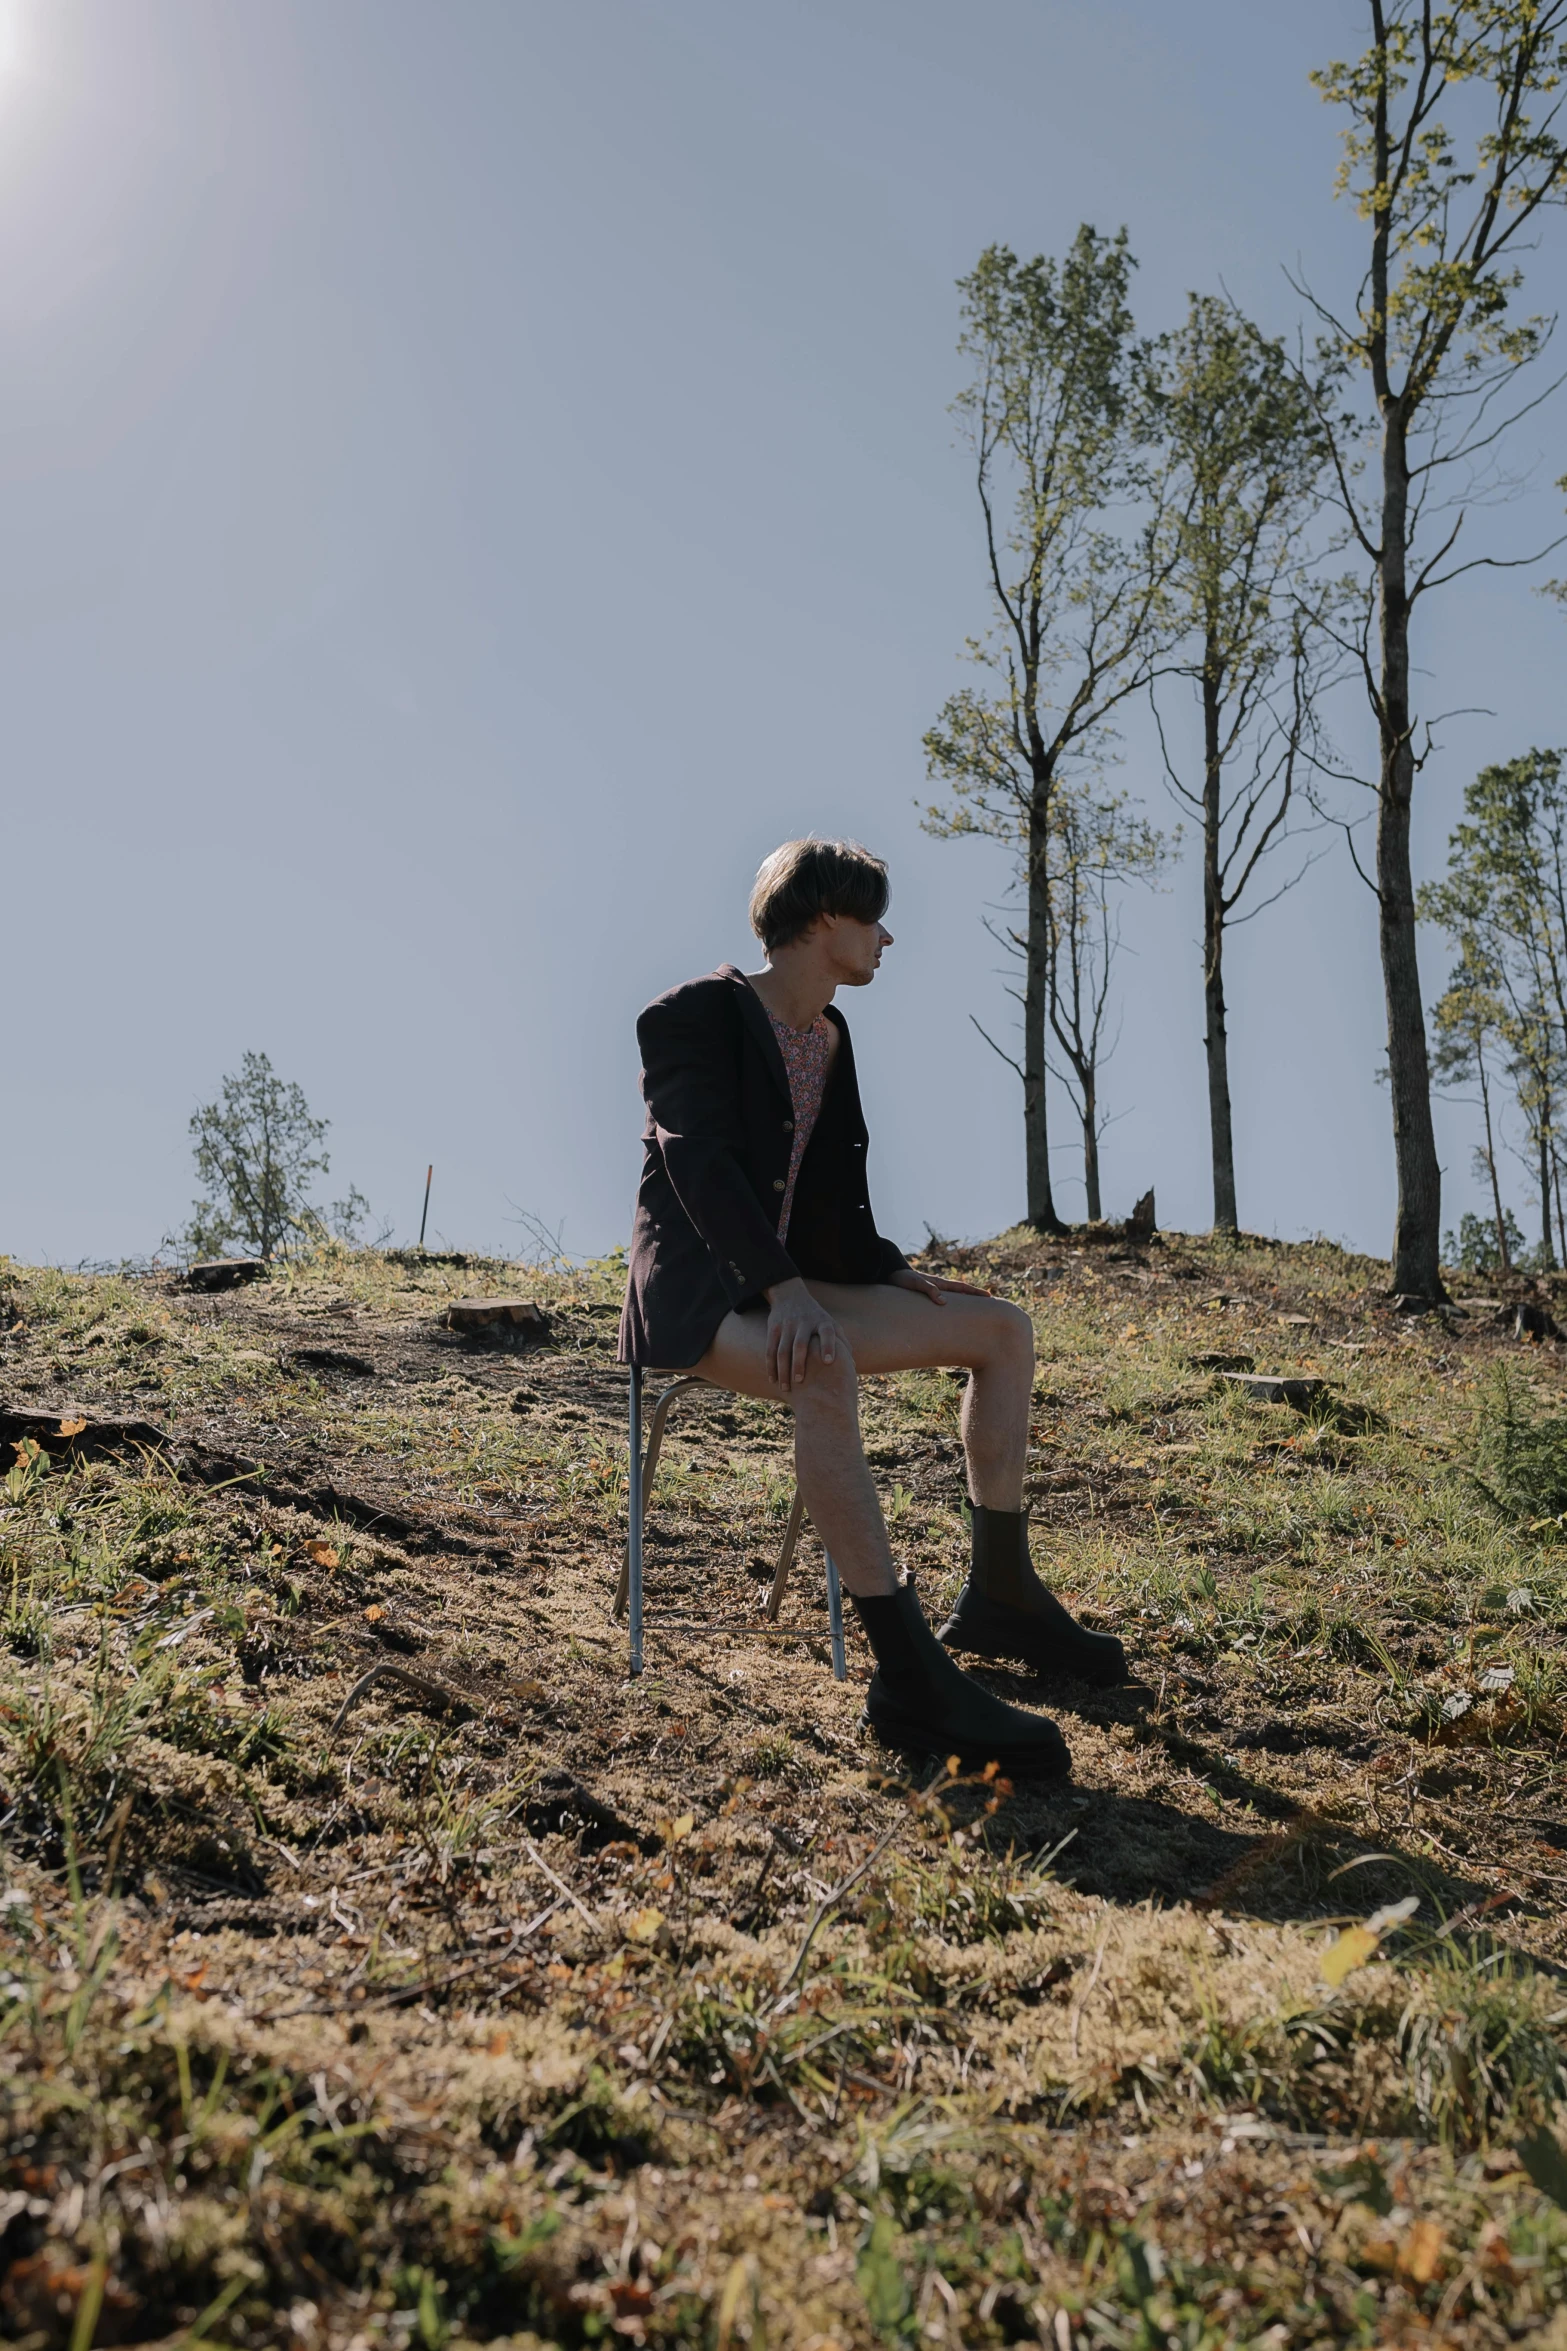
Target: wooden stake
(428,1173)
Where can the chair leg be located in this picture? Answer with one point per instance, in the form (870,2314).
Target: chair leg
(840,1663)
(655,1439)
(633,1574)
(785,1556)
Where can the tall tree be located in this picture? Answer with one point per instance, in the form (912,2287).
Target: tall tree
(1468,1024)
(1447,215)
(1248,458)
(1503,900)
(1100,844)
(1056,421)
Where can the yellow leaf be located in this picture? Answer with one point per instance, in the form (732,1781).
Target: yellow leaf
(72,1428)
(644,1925)
(1420,2255)
(322,1553)
(673,1831)
(1352,1949)
(374,1614)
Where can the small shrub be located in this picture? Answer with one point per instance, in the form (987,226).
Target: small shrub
(1520,1459)
(1481,2048)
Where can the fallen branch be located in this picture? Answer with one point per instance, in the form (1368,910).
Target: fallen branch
(559,1883)
(429,1984)
(423,1684)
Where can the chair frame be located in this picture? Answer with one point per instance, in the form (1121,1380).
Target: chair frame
(629,1592)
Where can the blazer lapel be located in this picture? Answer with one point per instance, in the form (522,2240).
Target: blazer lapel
(754,1013)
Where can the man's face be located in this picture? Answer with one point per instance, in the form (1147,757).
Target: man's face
(853,949)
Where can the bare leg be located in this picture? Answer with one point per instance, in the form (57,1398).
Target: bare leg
(897,1330)
(918,1696)
(829,1460)
(885,1329)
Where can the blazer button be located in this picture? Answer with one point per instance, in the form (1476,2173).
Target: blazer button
(778,1184)
(788,1126)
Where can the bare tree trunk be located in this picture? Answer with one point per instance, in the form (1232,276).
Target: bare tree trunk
(1216,1038)
(1556,1186)
(1490,1160)
(1036,997)
(1547,1245)
(1091,1147)
(1417,1237)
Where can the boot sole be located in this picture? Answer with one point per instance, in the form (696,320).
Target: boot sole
(952,1636)
(911,1735)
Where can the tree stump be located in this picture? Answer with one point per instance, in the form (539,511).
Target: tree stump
(1140,1225)
(224,1273)
(1276,1388)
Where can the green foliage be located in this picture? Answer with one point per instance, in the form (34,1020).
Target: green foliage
(1447,225)
(28,1470)
(1475,1247)
(1519,1458)
(256,1151)
(1480,2050)
(879,2276)
(1503,901)
(1245,437)
(1058,415)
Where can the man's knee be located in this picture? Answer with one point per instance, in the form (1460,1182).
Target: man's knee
(831,1390)
(1009,1334)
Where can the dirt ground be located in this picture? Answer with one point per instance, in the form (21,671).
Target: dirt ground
(382,1966)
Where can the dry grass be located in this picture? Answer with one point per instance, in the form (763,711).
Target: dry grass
(515,2002)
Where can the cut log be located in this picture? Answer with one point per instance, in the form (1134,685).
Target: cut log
(224,1273)
(1534,1322)
(497,1317)
(1276,1388)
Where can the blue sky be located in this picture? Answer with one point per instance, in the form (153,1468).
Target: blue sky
(475,477)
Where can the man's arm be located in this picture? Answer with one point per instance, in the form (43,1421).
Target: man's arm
(689,1080)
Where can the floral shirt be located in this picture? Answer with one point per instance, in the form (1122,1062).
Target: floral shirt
(806,1053)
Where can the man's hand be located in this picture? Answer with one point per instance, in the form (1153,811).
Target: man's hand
(794,1319)
(932,1285)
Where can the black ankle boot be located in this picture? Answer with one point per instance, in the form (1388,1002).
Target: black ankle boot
(1005,1611)
(920,1700)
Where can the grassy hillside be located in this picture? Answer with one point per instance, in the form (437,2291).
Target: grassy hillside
(496,1997)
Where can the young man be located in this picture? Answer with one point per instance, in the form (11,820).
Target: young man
(756,1264)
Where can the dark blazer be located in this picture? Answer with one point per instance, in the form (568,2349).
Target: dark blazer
(720,1128)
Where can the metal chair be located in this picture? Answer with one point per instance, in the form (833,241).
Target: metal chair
(628,1594)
